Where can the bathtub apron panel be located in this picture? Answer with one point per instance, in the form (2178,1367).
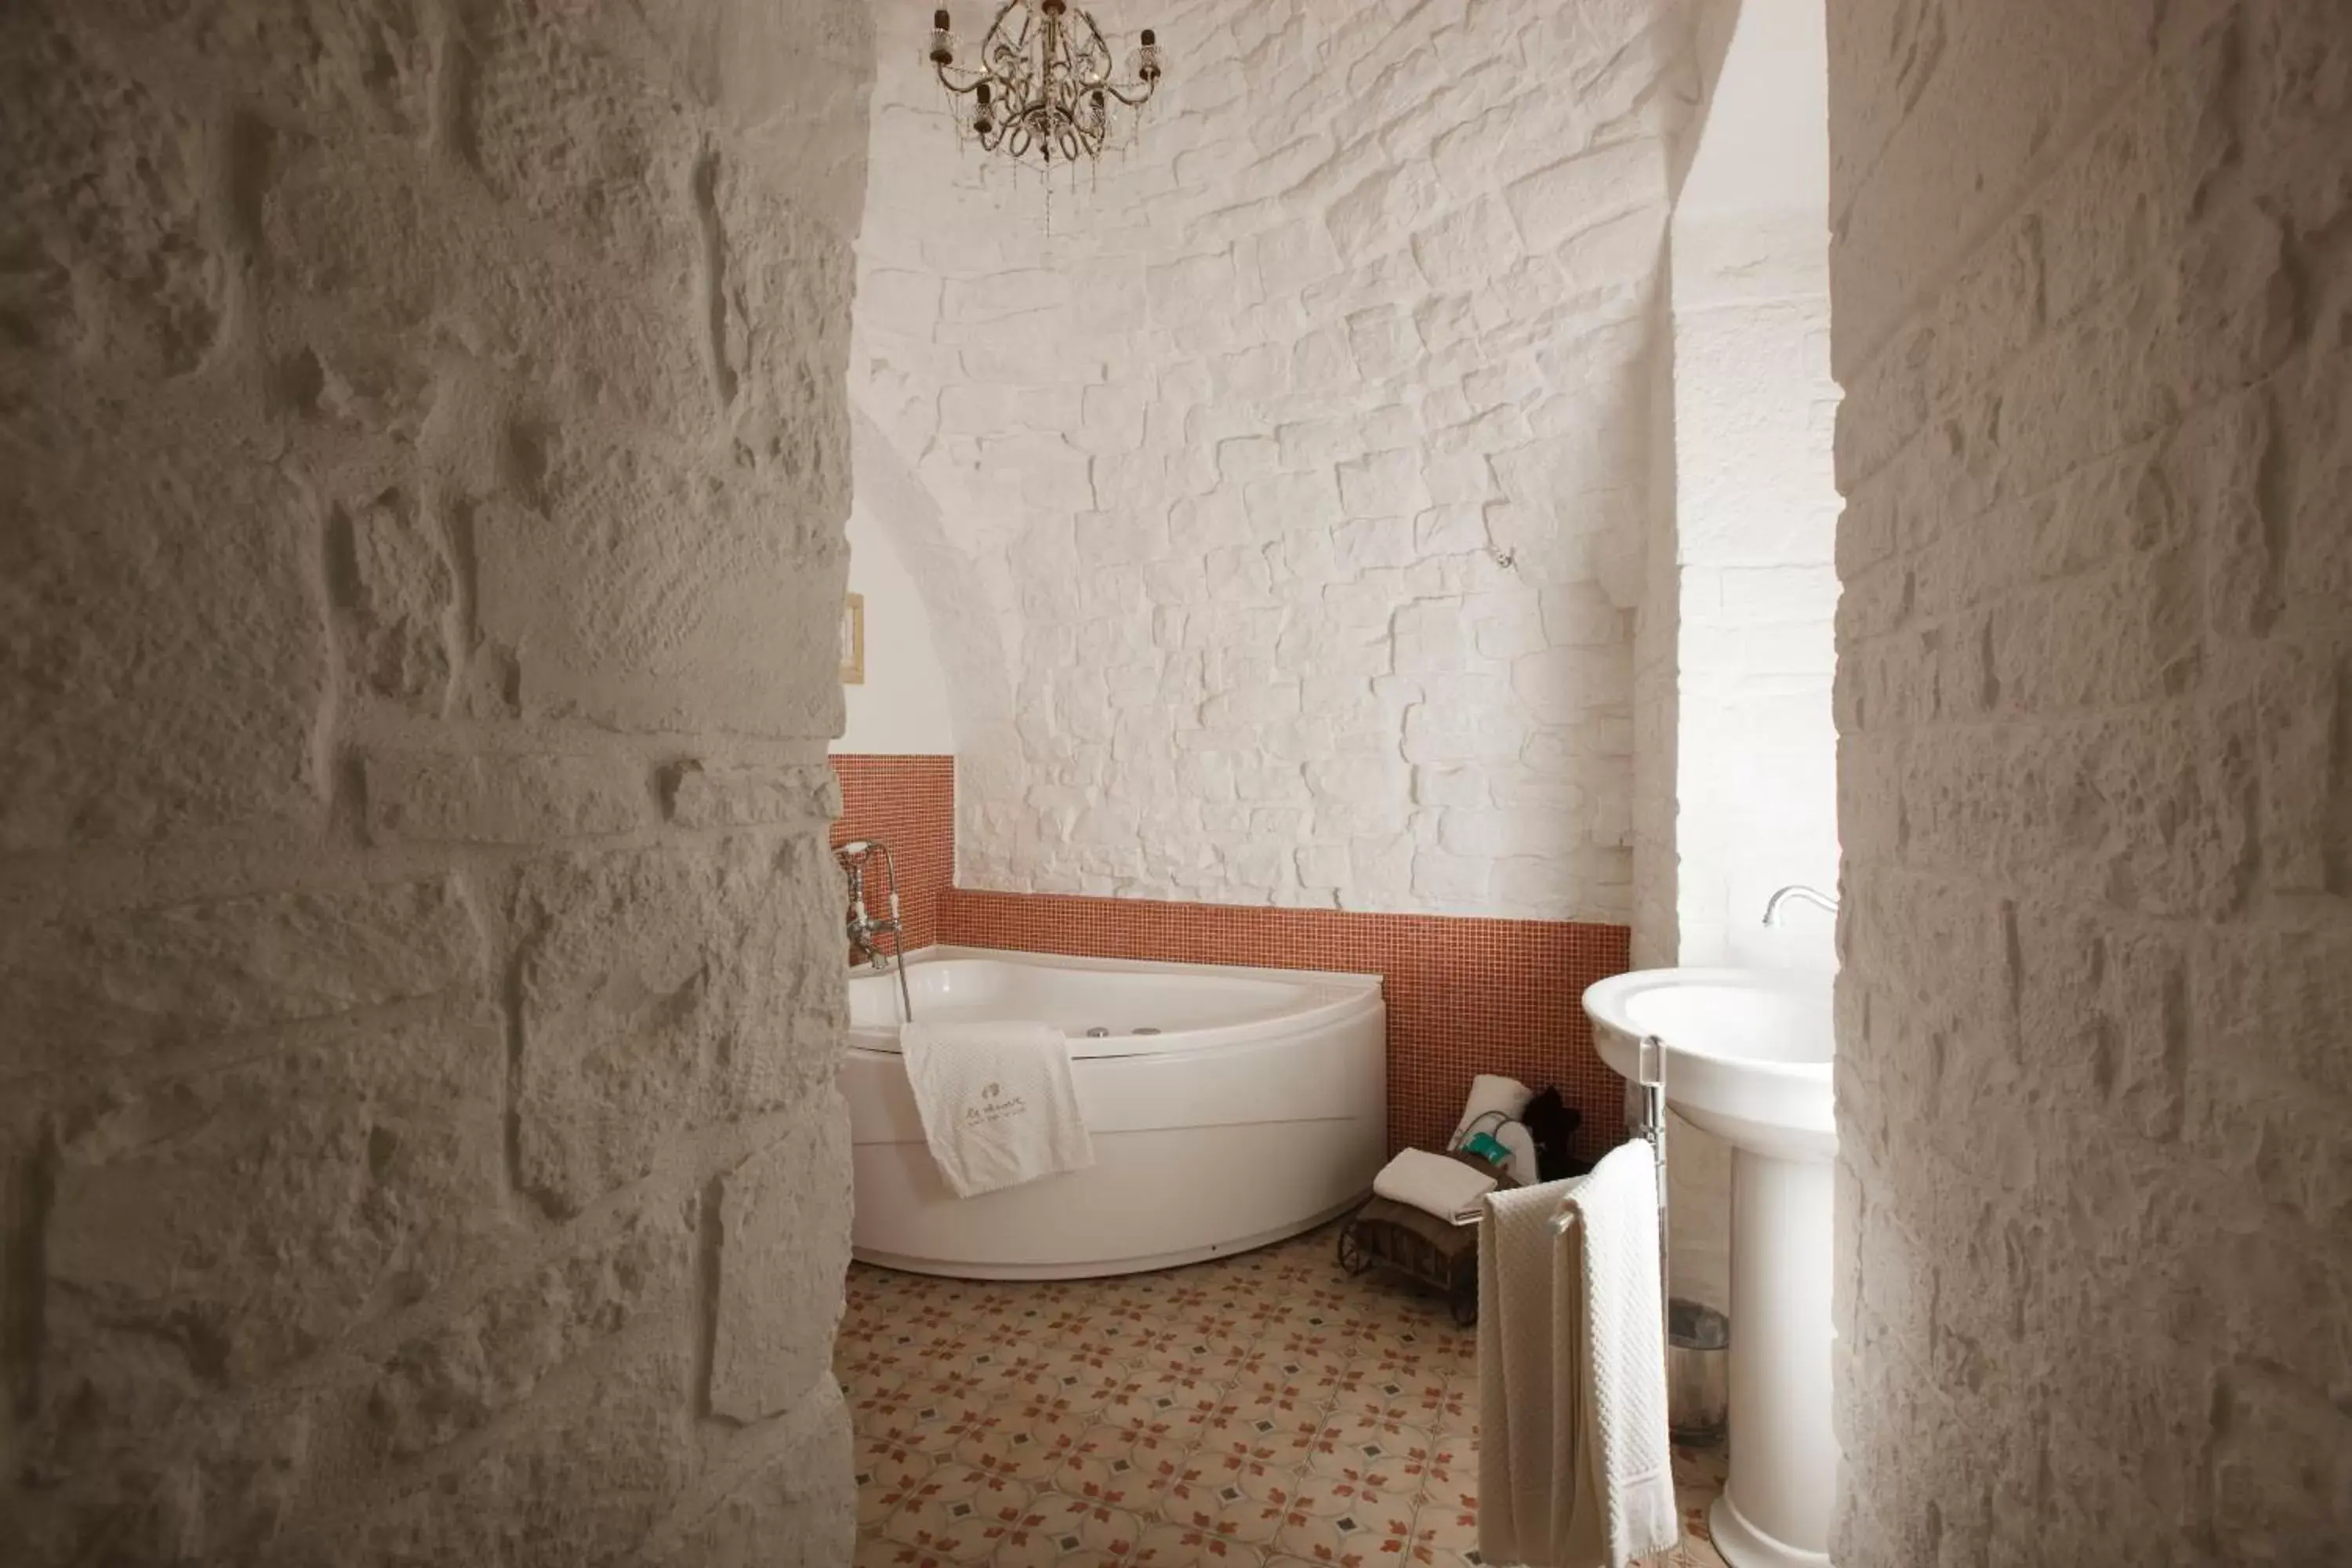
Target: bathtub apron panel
(1263,1113)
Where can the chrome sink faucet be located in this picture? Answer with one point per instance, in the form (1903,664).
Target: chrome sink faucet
(863,927)
(1797,893)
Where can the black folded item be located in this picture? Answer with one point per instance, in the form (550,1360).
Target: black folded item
(1552,1124)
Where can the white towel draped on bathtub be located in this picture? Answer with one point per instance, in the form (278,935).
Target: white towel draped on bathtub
(998,1103)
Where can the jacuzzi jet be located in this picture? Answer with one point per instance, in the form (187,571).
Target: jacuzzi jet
(1099,1031)
(1147,1029)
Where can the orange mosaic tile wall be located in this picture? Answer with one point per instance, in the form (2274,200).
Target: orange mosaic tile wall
(908,803)
(1465,995)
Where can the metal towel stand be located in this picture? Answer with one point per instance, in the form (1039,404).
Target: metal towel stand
(1650,1070)
(1650,1066)
(1650,1077)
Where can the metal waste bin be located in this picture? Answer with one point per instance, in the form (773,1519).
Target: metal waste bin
(1698,1371)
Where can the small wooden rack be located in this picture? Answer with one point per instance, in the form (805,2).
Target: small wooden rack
(1419,1244)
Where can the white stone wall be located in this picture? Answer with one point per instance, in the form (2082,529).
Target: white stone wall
(1756,506)
(424,453)
(1231,451)
(1736,753)
(1657,917)
(2094,299)
(902,707)
(1753,789)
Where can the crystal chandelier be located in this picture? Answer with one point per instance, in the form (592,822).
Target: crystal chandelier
(1043,89)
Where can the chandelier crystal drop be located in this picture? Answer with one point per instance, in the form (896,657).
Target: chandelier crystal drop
(1043,87)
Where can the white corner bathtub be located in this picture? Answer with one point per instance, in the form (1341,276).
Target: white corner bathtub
(1257,1109)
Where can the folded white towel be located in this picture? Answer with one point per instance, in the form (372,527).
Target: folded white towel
(1574,1464)
(998,1103)
(1496,1105)
(1492,1092)
(1446,1188)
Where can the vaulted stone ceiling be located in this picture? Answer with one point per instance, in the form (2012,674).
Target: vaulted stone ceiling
(1297,461)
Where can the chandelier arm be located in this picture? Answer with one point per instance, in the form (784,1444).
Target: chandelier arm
(996,25)
(1006,51)
(1119,91)
(1091,46)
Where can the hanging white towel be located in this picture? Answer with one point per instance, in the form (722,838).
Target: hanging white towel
(1528,1412)
(1574,1469)
(1436,1184)
(1616,1215)
(997,1101)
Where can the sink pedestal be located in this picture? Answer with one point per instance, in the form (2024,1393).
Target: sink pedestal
(1775,1509)
(1748,1058)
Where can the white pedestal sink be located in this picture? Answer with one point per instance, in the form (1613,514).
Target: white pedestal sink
(1748,1059)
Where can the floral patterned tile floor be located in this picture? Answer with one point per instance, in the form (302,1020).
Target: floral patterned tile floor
(1258,1410)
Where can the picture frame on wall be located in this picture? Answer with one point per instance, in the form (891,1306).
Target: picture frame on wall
(853,640)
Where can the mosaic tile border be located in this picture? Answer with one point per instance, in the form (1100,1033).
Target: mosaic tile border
(906,801)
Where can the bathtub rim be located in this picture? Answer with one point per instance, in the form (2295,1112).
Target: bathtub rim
(1358,992)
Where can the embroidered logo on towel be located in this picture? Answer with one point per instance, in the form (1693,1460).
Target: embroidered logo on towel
(997,1111)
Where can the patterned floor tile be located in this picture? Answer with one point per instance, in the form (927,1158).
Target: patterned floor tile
(1263,1411)
(1359,1441)
(1183,1546)
(1067,1533)
(888,1474)
(1120,1468)
(1442,1470)
(877,1551)
(1369,1538)
(1232,1464)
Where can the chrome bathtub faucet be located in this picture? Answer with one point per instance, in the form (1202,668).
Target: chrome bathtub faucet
(864,928)
(1797,893)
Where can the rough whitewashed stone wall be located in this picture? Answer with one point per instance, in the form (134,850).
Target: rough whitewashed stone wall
(425,451)
(1755,508)
(1657,917)
(1229,452)
(1753,793)
(1735,754)
(2093,285)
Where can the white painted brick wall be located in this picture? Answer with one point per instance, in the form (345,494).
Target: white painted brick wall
(1224,452)
(2094,297)
(1754,779)
(1756,509)
(1735,786)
